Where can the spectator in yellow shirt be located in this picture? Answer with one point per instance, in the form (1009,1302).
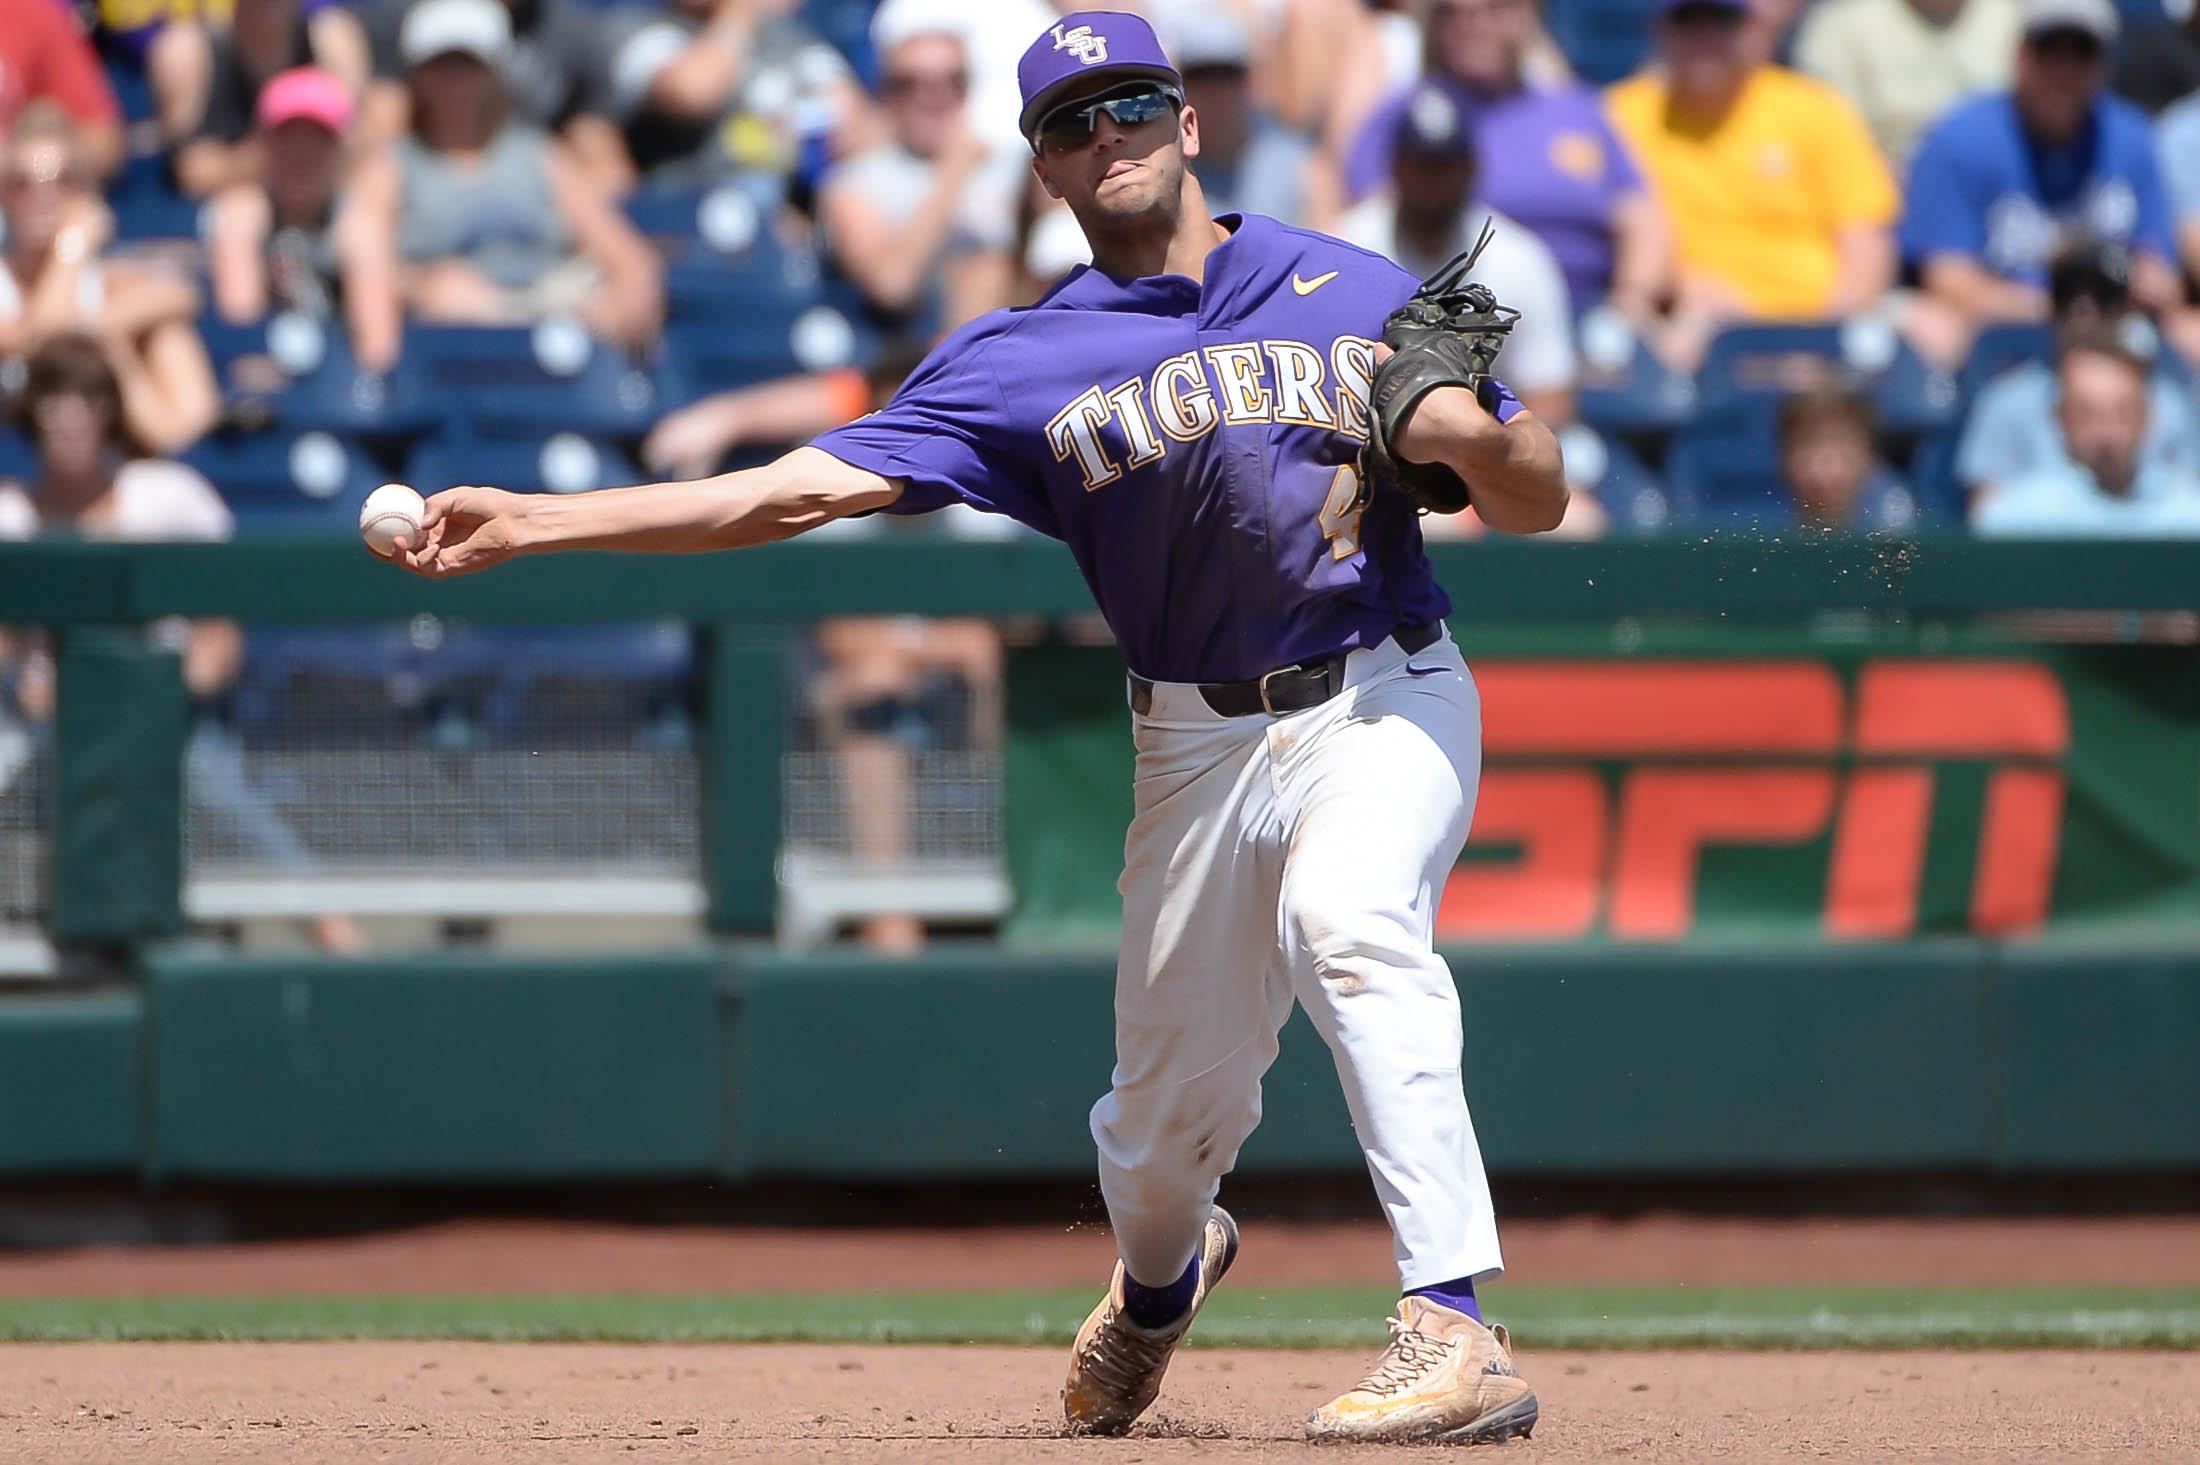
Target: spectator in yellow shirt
(1781,206)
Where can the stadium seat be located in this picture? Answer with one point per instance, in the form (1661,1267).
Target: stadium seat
(284,481)
(16,458)
(302,373)
(1723,467)
(562,462)
(1605,40)
(547,377)
(774,337)
(1867,355)
(1625,390)
(1631,495)
(1998,348)
(148,206)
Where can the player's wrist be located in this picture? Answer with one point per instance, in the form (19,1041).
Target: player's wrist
(1449,426)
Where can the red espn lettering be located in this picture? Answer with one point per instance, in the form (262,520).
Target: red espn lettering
(1576,854)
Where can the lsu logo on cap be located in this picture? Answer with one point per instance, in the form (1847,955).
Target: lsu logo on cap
(1089,49)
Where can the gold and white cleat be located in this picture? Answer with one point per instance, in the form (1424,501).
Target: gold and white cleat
(1115,1367)
(1444,1378)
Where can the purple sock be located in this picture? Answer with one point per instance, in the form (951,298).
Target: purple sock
(1154,1308)
(1457,1294)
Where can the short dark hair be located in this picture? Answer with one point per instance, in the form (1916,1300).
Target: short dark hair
(74,365)
(1827,405)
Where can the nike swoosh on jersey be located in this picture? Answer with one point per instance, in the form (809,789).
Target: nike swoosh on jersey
(1308,287)
(1421,671)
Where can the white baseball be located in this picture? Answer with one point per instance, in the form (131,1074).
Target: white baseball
(389,511)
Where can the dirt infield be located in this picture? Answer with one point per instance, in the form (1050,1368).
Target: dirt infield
(501,1404)
(534,1256)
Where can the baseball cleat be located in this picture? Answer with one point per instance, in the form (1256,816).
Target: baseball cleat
(1444,1379)
(1115,1367)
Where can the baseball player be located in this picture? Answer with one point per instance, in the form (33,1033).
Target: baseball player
(1233,424)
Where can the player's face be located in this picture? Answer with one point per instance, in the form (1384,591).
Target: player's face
(1120,173)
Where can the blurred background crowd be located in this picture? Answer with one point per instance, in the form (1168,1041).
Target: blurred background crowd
(1876,265)
(1867,264)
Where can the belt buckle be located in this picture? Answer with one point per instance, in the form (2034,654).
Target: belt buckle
(1266,705)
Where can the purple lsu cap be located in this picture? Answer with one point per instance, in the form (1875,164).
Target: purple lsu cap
(1080,46)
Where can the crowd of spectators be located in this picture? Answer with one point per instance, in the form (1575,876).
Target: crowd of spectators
(1930,168)
(1977,223)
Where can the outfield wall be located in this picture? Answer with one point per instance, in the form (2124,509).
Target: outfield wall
(1952,1056)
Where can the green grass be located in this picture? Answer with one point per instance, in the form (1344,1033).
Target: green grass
(1555,1317)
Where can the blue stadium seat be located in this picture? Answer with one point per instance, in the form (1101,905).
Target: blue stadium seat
(561,462)
(1866,355)
(17,460)
(284,481)
(1998,348)
(147,204)
(1631,494)
(847,25)
(303,372)
(1625,390)
(547,377)
(1724,467)
(774,337)
(1605,40)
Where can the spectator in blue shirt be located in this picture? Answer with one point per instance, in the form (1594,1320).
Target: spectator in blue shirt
(2104,486)
(2011,429)
(2007,181)
(2177,143)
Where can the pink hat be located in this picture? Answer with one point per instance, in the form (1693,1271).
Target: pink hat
(305,93)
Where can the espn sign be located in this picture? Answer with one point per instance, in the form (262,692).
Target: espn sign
(1741,752)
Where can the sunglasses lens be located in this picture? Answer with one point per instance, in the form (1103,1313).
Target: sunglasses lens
(1073,126)
(1131,111)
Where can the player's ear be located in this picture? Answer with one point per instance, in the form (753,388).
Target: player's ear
(1039,171)
(1188,124)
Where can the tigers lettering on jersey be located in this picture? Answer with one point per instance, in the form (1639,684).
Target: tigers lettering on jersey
(1242,383)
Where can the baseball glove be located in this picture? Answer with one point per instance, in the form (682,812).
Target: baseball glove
(1447,335)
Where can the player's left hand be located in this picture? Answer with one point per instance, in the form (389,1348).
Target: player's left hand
(1447,335)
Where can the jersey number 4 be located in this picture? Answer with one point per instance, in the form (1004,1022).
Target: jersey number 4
(1340,517)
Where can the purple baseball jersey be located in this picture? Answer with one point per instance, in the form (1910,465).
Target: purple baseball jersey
(1194,445)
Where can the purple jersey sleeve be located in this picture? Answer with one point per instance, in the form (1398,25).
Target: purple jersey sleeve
(1498,400)
(950,434)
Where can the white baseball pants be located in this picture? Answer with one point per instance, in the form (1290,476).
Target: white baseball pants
(1273,859)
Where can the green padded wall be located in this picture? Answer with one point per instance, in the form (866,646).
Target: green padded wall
(975,1063)
(118,826)
(444,1068)
(71,1094)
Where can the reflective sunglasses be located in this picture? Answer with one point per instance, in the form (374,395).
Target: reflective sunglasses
(1072,126)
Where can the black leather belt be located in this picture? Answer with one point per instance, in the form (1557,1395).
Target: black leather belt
(1288,688)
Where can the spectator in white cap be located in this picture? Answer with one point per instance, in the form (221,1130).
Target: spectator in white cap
(494,225)
(924,222)
(1248,162)
(283,240)
(994,34)
(2008,181)
(557,76)
(708,88)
